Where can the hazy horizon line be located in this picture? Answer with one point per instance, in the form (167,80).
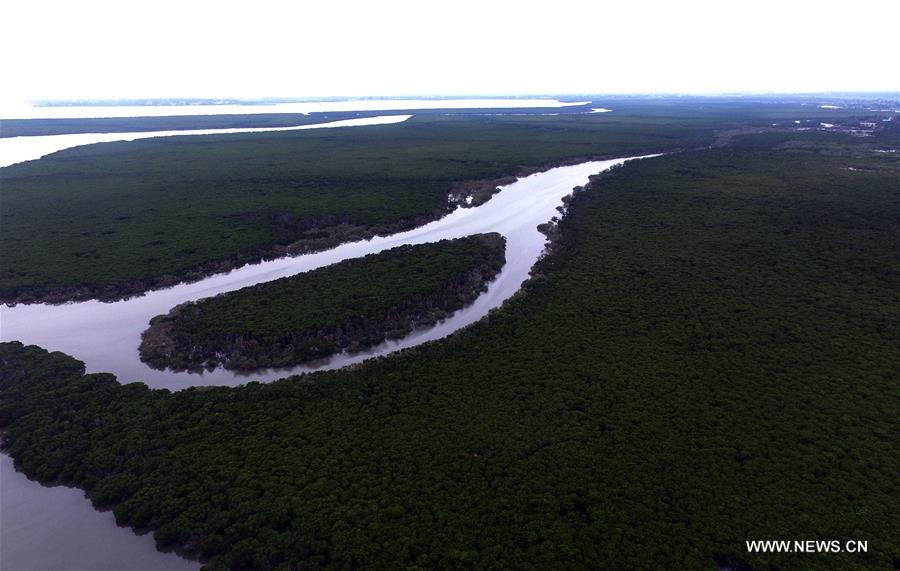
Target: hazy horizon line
(486,95)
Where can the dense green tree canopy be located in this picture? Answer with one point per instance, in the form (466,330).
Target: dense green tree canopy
(709,356)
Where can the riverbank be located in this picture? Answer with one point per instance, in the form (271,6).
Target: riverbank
(314,239)
(82,536)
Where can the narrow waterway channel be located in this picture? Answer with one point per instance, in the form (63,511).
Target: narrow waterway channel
(57,528)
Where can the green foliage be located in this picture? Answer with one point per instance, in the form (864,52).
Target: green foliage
(118,218)
(349,305)
(709,356)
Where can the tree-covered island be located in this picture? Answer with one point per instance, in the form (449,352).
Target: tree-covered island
(351,305)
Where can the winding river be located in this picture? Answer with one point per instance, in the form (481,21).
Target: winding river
(106,335)
(56,528)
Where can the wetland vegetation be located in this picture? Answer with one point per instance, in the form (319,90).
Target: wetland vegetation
(708,356)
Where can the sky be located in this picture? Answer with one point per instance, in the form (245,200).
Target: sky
(259,48)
